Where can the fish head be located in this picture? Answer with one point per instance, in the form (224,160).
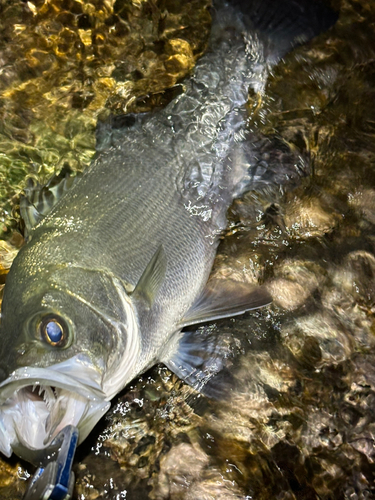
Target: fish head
(65,351)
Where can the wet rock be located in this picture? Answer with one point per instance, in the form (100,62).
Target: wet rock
(294,282)
(357,277)
(332,342)
(364,202)
(310,218)
(179,469)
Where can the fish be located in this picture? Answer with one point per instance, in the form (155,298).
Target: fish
(115,273)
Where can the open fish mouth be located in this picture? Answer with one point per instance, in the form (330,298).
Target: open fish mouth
(37,403)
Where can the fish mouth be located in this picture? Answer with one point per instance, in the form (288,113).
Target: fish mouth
(37,403)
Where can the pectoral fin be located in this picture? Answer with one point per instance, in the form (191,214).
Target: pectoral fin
(152,278)
(225,298)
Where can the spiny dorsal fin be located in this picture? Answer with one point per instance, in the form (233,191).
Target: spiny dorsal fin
(29,214)
(39,200)
(152,278)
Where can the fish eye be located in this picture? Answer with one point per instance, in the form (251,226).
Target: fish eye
(54,330)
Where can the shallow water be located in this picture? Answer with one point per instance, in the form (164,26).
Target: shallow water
(299,422)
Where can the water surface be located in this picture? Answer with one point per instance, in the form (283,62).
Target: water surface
(299,422)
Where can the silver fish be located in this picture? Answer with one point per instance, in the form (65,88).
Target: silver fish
(118,264)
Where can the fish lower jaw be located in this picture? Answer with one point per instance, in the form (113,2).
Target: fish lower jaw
(35,414)
(32,416)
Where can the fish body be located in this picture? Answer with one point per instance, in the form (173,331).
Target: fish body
(120,264)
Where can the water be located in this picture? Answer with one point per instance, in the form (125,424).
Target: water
(299,423)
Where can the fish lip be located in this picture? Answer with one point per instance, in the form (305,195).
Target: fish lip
(17,425)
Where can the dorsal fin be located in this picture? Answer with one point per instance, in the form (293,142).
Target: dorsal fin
(29,214)
(39,200)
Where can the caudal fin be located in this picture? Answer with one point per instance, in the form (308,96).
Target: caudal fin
(283,24)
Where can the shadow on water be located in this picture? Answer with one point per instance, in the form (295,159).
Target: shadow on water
(298,422)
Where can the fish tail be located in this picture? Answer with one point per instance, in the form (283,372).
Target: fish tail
(270,29)
(284,24)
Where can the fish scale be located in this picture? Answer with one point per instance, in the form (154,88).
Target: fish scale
(145,229)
